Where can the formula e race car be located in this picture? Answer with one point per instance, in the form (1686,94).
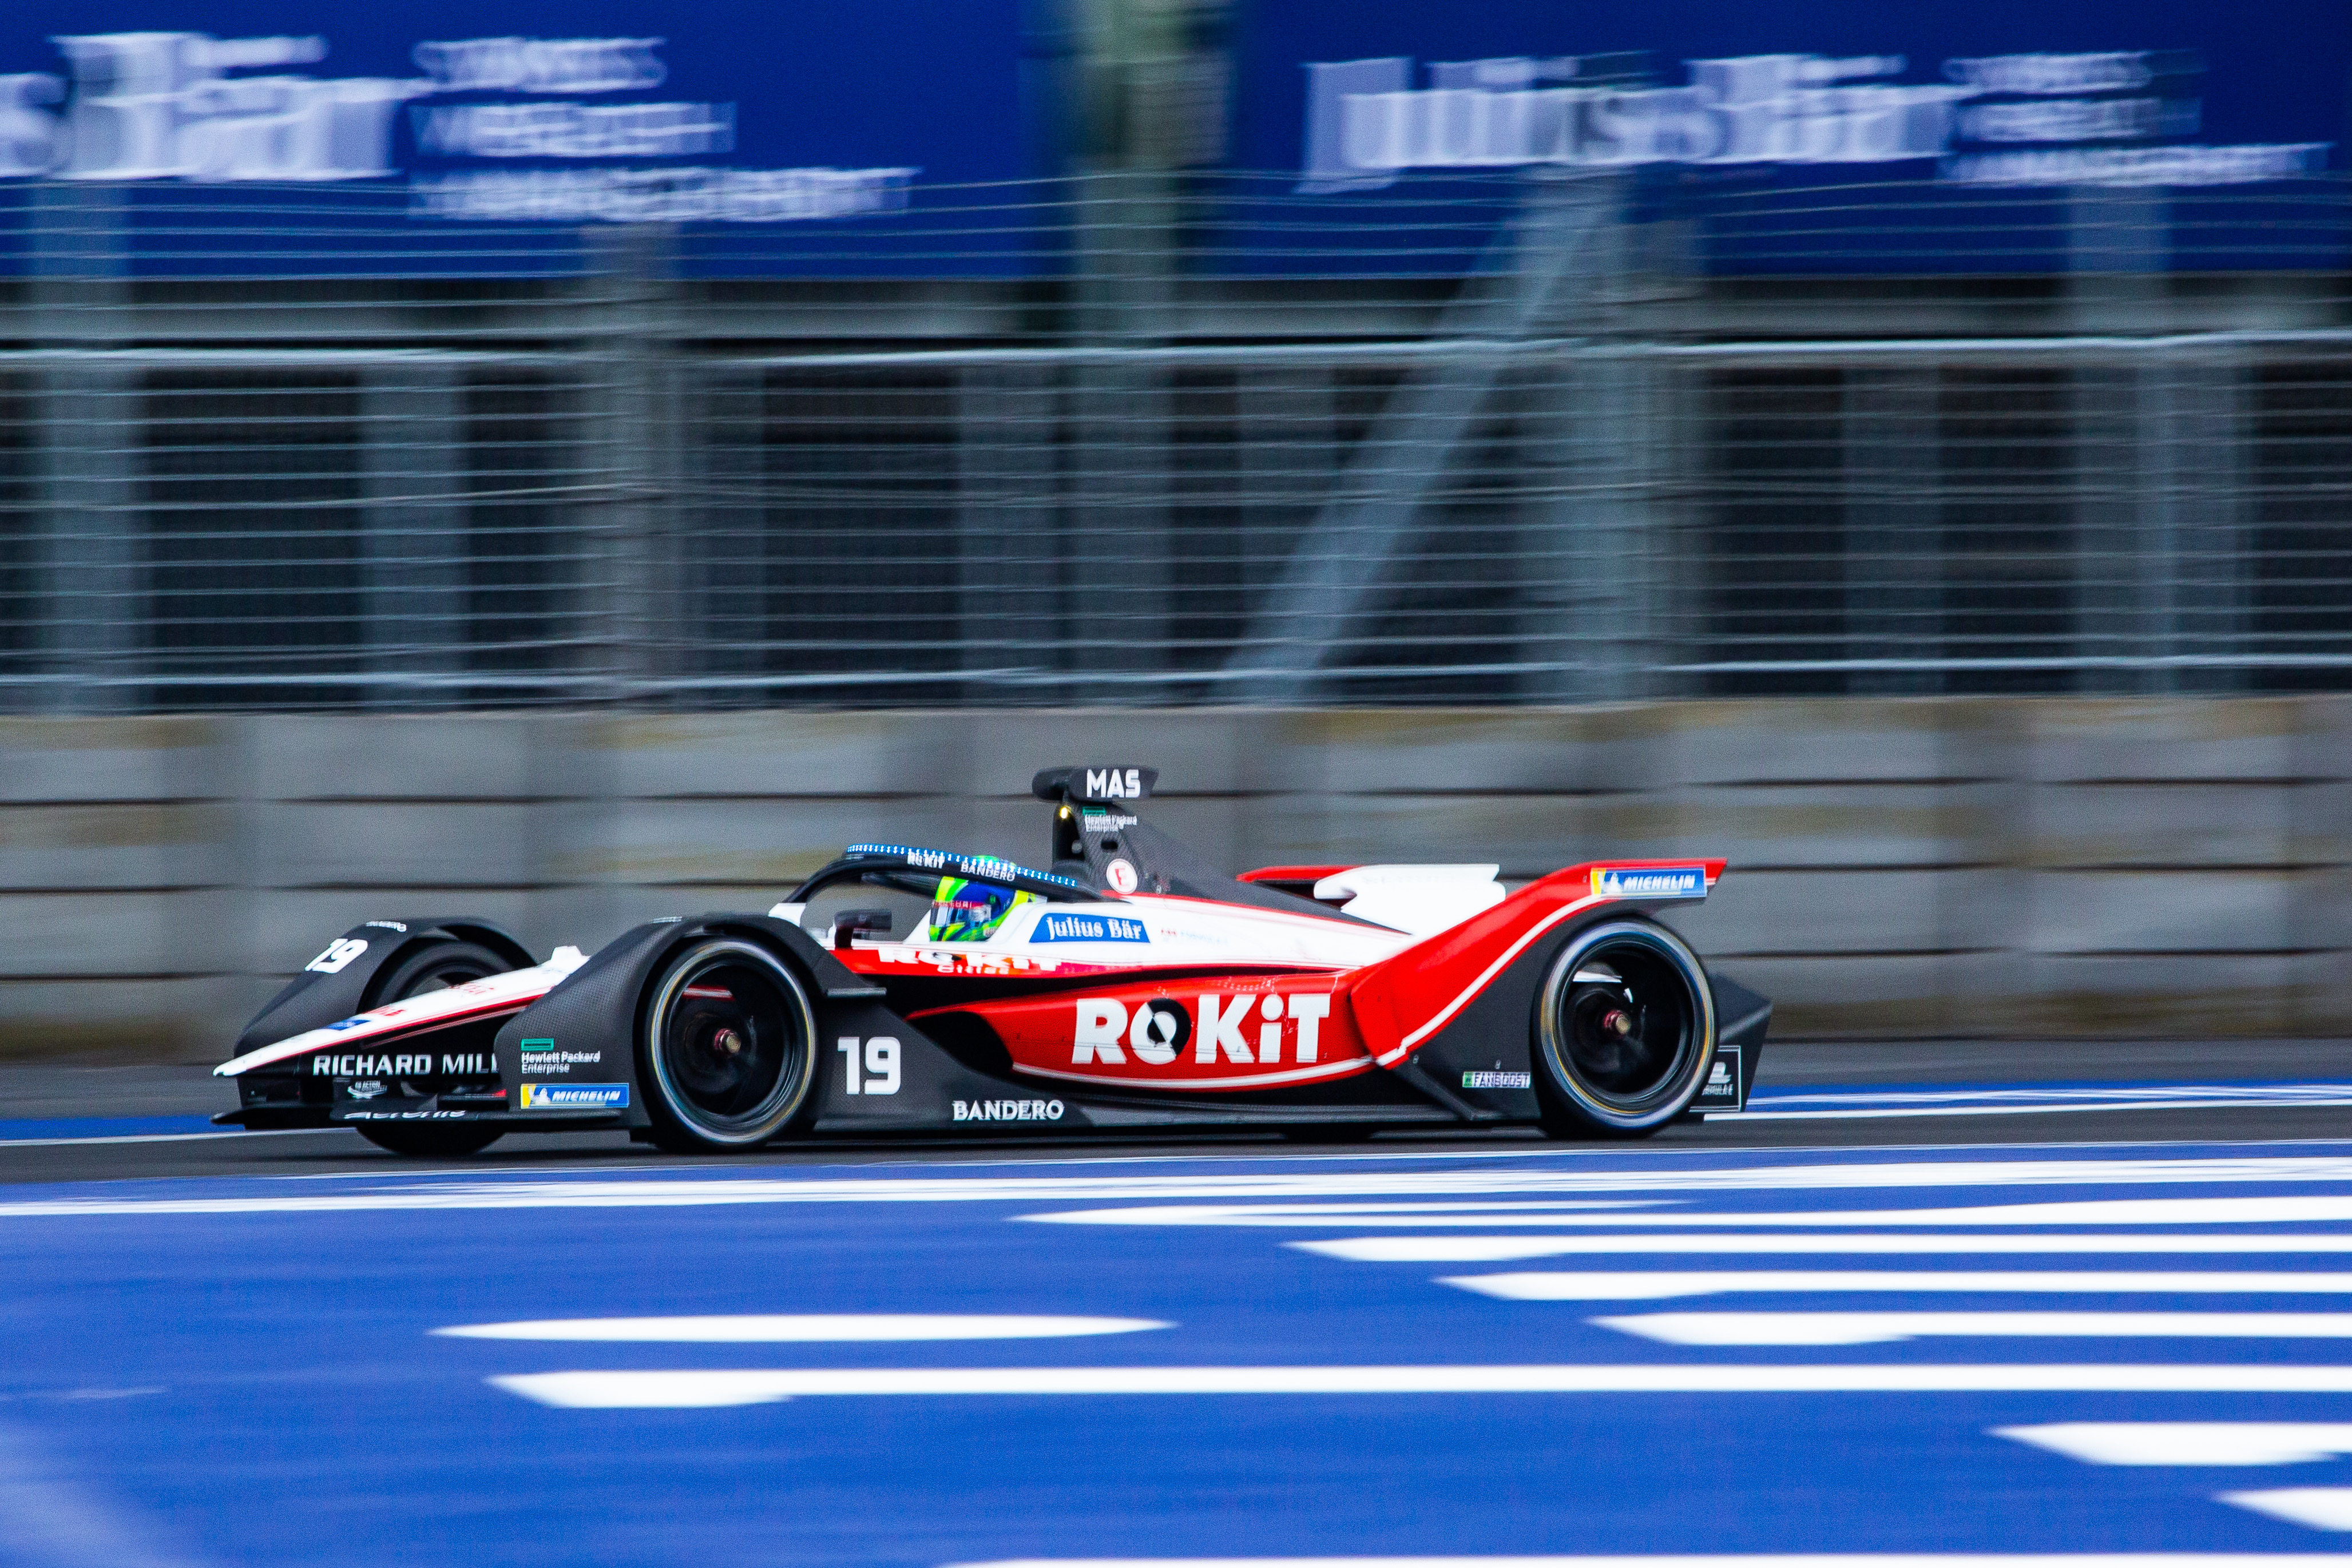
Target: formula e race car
(1131,987)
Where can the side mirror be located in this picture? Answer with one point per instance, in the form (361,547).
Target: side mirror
(854,922)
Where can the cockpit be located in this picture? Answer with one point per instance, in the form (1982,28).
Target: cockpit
(889,893)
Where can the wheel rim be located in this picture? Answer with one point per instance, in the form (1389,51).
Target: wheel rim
(1628,1024)
(727,1035)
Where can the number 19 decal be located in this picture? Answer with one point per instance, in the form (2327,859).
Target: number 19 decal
(881,1065)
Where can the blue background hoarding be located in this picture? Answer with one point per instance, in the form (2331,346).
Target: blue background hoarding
(1946,138)
(273,137)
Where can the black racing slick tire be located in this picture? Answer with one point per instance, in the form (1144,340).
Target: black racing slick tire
(1624,1032)
(436,966)
(726,1047)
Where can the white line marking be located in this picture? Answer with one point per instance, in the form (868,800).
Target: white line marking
(1509,1248)
(690,1389)
(2321,1508)
(1645,1285)
(835,1328)
(2265,1210)
(2278,1094)
(1894,1328)
(2187,1442)
(1560,1173)
(1733,1560)
(6,1144)
(2052,1108)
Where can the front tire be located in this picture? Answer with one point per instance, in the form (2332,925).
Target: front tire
(727,1050)
(1625,1031)
(436,966)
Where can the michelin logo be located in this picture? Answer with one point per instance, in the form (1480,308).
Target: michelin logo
(576,1096)
(1089,928)
(1655,882)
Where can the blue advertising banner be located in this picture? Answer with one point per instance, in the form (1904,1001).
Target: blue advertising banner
(1978,119)
(350,137)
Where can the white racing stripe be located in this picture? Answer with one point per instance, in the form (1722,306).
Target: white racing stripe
(2187,1442)
(2266,1210)
(1894,1328)
(1660,1285)
(1509,1248)
(677,1389)
(830,1328)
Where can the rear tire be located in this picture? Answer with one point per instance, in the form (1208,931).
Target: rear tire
(448,1142)
(1625,1031)
(727,1050)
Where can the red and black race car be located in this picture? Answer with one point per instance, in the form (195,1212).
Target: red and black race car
(1130,986)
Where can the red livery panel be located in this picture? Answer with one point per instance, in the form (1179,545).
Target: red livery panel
(1185,1035)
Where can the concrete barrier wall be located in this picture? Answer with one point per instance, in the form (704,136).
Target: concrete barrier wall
(1935,867)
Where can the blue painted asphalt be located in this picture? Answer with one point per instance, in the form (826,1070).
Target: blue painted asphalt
(244,1370)
(1817,1102)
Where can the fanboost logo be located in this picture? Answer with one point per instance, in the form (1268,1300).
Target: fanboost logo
(1650,881)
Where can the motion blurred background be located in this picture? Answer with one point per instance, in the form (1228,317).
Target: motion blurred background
(573,464)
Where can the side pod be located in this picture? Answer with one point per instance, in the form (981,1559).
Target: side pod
(591,1022)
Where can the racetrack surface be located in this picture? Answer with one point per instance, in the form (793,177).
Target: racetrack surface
(1473,1353)
(88,1123)
(1980,1309)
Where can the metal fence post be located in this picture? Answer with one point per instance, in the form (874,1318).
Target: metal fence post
(1116,530)
(1008,508)
(1893,513)
(1288,456)
(86,558)
(414,544)
(2195,428)
(724,609)
(632,457)
(1593,532)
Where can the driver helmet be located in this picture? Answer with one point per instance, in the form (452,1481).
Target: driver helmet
(967,911)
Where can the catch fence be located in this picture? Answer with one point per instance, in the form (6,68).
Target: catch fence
(1135,441)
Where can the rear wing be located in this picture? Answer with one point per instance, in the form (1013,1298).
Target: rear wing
(1643,880)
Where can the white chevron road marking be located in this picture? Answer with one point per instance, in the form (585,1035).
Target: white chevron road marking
(1892,1328)
(670,1389)
(2187,1442)
(1661,1285)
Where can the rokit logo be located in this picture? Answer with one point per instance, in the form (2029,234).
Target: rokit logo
(1158,1031)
